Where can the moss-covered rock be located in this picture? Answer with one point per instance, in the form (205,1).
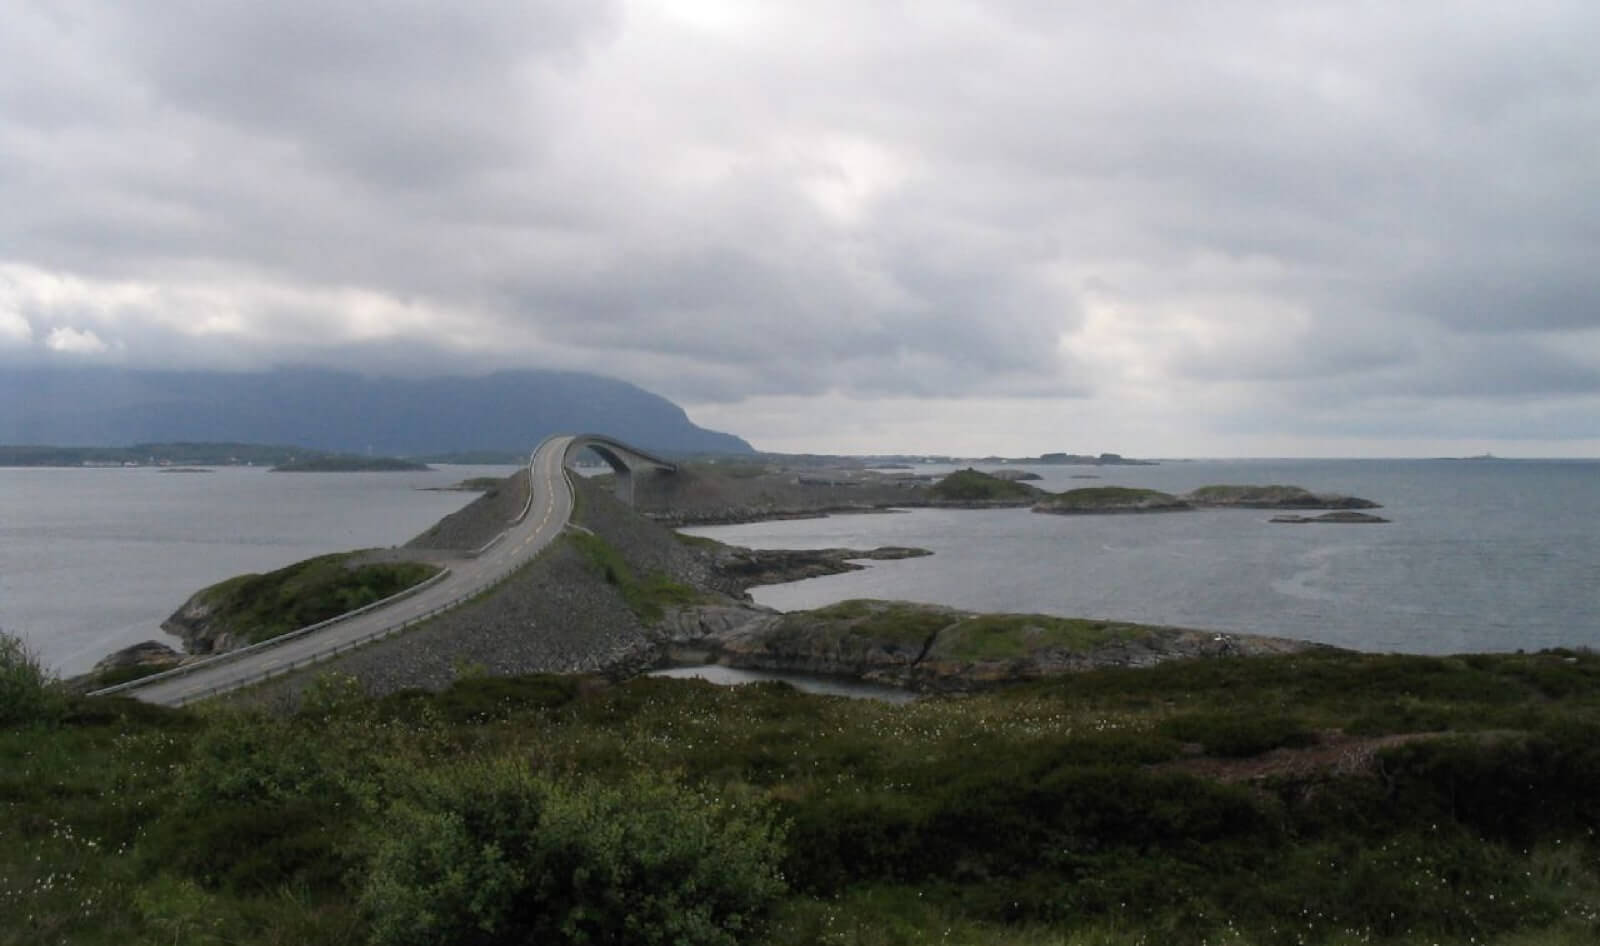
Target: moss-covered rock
(248,609)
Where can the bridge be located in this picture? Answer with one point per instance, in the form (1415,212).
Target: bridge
(622,458)
(542,520)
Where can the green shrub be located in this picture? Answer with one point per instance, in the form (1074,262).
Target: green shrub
(1238,734)
(495,853)
(481,699)
(245,847)
(27,690)
(648,599)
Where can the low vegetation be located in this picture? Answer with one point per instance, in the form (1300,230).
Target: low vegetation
(255,608)
(648,597)
(972,486)
(1005,636)
(27,689)
(1110,499)
(1328,798)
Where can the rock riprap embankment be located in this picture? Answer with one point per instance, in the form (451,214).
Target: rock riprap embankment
(937,649)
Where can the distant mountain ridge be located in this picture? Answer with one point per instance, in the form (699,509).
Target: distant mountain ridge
(339,411)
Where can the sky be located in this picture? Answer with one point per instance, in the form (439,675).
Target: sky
(1230,228)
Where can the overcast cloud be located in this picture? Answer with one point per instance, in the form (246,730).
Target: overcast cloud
(1159,228)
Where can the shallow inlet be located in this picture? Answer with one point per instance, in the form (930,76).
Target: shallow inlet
(825,686)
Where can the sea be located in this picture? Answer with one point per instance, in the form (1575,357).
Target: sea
(94,559)
(1479,555)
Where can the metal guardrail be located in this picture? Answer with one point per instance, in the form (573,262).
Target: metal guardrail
(527,505)
(347,646)
(260,646)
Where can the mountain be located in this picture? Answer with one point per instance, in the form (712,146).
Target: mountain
(339,411)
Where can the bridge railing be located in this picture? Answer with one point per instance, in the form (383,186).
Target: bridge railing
(321,656)
(279,670)
(281,639)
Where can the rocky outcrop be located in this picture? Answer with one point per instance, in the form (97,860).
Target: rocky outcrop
(195,623)
(1273,497)
(1351,517)
(746,568)
(151,655)
(1014,475)
(1096,500)
(936,649)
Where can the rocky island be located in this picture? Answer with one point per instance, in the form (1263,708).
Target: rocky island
(1091,500)
(1341,516)
(971,489)
(1272,497)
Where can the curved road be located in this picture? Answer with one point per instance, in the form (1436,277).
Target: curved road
(547,516)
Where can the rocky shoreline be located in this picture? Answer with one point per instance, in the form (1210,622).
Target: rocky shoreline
(562,615)
(933,649)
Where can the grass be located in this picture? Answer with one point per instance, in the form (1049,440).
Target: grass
(1005,636)
(1045,813)
(260,607)
(649,597)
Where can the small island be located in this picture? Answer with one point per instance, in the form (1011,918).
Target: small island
(971,488)
(1014,475)
(1273,497)
(1110,499)
(342,463)
(1341,516)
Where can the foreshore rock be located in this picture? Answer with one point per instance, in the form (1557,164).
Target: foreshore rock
(152,654)
(193,624)
(935,649)
(747,568)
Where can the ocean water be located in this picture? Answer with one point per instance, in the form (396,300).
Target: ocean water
(1480,556)
(92,560)
(1491,555)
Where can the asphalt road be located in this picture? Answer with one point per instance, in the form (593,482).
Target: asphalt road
(547,516)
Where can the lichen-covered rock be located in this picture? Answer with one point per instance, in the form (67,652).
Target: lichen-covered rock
(148,654)
(938,649)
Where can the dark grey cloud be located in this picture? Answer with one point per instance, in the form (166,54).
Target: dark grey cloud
(1237,216)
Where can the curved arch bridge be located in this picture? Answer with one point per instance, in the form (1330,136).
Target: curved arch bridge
(624,460)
